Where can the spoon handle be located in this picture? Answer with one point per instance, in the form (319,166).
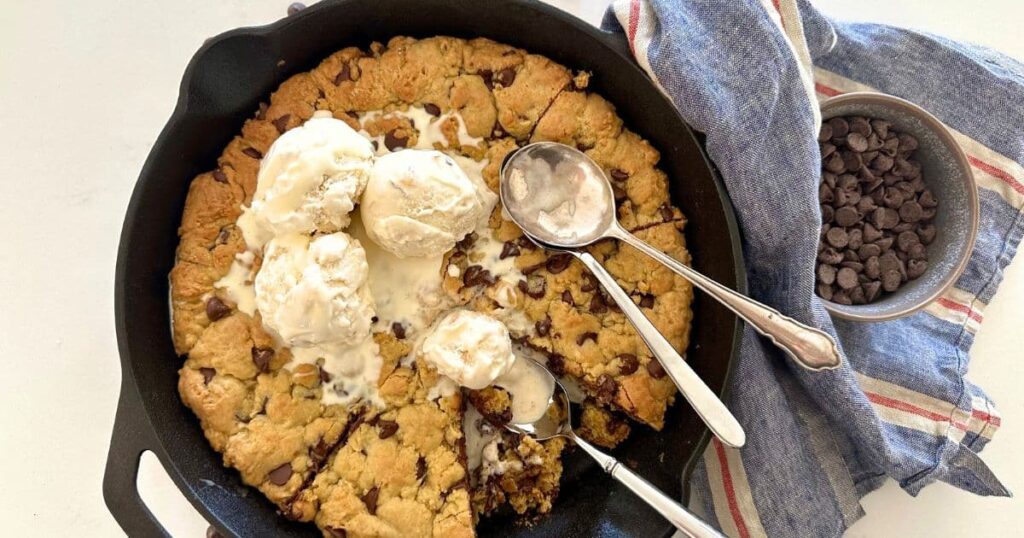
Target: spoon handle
(810,347)
(703,400)
(684,520)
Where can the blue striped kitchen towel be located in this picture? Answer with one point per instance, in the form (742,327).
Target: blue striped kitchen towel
(747,73)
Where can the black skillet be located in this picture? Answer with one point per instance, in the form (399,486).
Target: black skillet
(221,87)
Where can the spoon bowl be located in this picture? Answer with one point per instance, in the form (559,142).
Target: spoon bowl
(557,422)
(560,198)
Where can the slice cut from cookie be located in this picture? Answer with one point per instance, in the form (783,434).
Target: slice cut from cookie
(402,471)
(267,420)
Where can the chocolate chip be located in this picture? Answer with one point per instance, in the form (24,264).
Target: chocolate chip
(398,329)
(208,374)
(837,237)
(851,160)
(860,126)
(524,242)
(868,250)
(907,239)
(476,275)
(558,263)
(387,428)
(927,233)
(216,309)
(508,250)
(394,142)
(295,7)
(370,500)
(223,235)
(857,142)
(467,242)
(543,327)
(667,214)
(421,468)
(827,150)
(253,152)
(841,297)
(846,278)
(871,234)
(281,123)
(885,218)
(325,376)
(432,109)
(830,255)
(556,363)
(907,142)
(280,475)
(343,75)
(916,268)
(828,214)
(917,252)
(606,389)
(567,298)
(826,274)
(219,176)
(505,77)
(872,290)
(874,142)
(834,163)
(581,339)
(261,358)
(872,269)
(891,280)
(628,363)
(589,283)
(846,216)
(619,175)
(839,127)
(655,369)
(647,301)
(825,291)
(534,286)
(825,133)
(880,127)
(826,194)
(597,304)
(488,77)
(927,199)
(856,239)
(336,532)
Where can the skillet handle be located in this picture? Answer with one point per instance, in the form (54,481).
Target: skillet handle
(132,436)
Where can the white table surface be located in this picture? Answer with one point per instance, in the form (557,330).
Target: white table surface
(86,87)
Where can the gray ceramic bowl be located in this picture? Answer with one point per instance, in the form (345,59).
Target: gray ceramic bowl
(947,173)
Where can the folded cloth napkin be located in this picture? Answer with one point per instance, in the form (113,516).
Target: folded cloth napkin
(747,73)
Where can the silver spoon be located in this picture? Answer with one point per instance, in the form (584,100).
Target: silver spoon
(560,197)
(560,425)
(704,401)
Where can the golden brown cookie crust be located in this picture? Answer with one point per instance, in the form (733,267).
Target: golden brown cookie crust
(314,461)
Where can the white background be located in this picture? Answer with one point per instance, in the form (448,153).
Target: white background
(85,86)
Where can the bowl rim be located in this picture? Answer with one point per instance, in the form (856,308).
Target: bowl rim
(852,312)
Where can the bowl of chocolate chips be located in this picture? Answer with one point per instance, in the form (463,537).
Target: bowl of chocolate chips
(899,207)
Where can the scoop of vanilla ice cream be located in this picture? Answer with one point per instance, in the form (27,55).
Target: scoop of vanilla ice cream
(313,291)
(309,180)
(420,203)
(471,348)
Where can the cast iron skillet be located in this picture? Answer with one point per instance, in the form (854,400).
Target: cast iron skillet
(221,87)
